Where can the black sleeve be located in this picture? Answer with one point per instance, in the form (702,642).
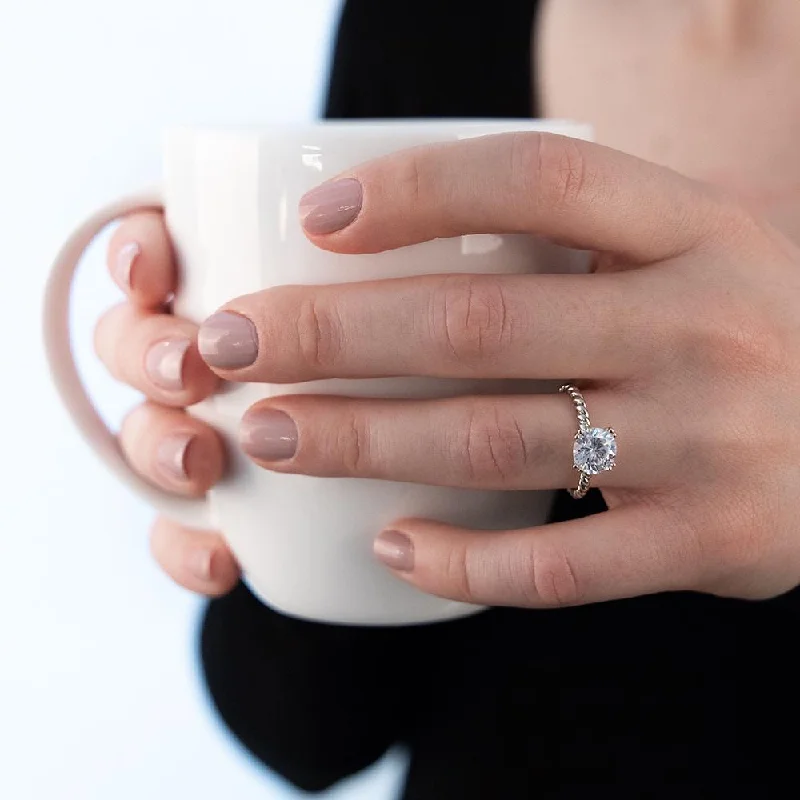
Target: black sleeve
(790,601)
(429,58)
(313,702)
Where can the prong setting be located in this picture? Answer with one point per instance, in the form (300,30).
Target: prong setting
(594,449)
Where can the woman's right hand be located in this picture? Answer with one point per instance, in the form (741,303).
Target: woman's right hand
(142,344)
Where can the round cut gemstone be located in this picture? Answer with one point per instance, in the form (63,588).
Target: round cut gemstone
(594,450)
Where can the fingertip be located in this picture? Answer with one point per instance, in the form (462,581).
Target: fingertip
(155,353)
(173,450)
(106,335)
(199,561)
(215,568)
(122,262)
(395,550)
(432,556)
(228,341)
(141,259)
(204,460)
(330,208)
(172,365)
(197,375)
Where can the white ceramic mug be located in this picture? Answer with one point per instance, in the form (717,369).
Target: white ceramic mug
(230,197)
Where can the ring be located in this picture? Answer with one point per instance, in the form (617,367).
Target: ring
(594,450)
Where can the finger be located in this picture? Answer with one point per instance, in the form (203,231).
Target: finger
(155,353)
(515,442)
(172,450)
(141,259)
(571,191)
(200,561)
(621,553)
(514,326)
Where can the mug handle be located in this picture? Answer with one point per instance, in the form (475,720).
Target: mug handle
(193,512)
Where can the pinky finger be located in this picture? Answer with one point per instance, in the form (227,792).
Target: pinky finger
(621,553)
(200,561)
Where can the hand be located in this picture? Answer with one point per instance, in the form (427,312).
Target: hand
(156,353)
(686,340)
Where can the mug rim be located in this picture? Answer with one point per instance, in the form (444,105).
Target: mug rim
(454,125)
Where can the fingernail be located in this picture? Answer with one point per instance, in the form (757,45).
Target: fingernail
(164,363)
(228,341)
(199,563)
(171,455)
(394,549)
(268,435)
(331,206)
(123,266)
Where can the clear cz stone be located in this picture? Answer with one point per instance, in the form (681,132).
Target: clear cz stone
(594,450)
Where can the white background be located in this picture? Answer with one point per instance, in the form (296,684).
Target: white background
(99,693)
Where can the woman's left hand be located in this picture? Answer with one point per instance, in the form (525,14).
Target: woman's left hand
(685,339)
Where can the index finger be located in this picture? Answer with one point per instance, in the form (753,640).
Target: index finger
(567,190)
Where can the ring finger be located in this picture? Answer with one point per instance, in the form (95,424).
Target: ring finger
(515,442)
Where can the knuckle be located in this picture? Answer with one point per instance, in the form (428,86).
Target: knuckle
(354,445)
(735,341)
(496,450)
(457,573)
(471,318)
(319,334)
(558,168)
(408,175)
(550,578)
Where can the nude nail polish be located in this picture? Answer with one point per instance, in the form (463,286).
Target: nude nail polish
(268,435)
(395,549)
(331,206)
(164,362)
(200,564)
(227,340)
(123,266)
(172,453)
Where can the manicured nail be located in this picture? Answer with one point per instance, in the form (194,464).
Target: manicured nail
(171,455)
(164,363)
(268,435)
(394,549)
(199,563)
(331,206)
(123,267)
(228,341)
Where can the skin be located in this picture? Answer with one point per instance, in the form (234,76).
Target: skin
(706,87)
(686,336)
